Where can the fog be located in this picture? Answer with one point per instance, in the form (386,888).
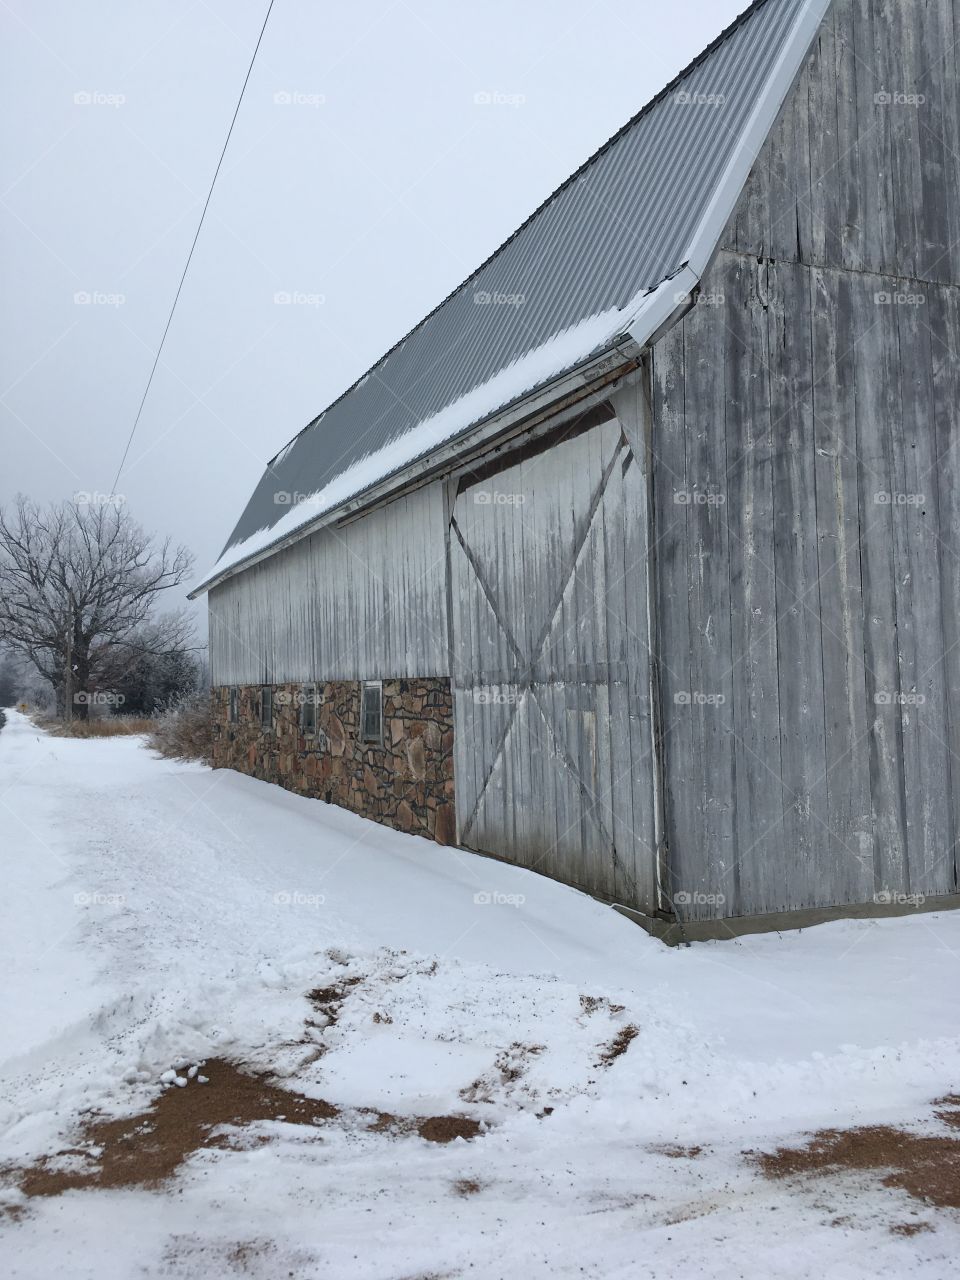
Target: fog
(381,152)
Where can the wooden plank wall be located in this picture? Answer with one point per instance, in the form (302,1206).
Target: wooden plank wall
(365,601)
(845,180)
(808,597)
(553,736)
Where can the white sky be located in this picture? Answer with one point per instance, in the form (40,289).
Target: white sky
(378,188)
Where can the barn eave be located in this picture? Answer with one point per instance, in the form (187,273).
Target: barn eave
(645,319)
(576,387)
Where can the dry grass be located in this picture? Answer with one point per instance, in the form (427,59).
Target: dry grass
(185,731)
(108,727)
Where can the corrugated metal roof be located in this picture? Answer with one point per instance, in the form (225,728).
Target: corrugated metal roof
(623,223)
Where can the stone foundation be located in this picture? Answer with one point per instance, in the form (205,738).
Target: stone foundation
(406,782)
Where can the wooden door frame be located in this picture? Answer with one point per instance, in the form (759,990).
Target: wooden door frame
(632,402)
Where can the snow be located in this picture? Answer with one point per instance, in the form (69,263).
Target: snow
(157,915)
(563,351)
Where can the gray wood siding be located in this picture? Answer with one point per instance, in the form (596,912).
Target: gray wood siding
(808,623)
(364,601)
(808,616)
(553,737)
(844,180)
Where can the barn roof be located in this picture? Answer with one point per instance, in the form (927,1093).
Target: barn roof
(605,256)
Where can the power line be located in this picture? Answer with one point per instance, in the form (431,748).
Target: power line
(206,205)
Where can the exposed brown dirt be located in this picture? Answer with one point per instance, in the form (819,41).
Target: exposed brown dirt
(440,1129)
(447,1128)
(950,1110)
(927,1167)
(510,1065)
(329,1000)
(467,1187)
(590,1004)
(677,1152)
(618,1045)
(513,1061)
(148,1148)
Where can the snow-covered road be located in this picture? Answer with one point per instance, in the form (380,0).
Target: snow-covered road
(155,914)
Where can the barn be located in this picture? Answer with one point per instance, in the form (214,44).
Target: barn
(637,562)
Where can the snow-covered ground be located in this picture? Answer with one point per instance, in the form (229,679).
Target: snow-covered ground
(156,914)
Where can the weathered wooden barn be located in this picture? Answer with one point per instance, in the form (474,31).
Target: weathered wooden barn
(637,562)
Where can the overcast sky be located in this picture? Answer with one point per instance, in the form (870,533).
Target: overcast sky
(366,174)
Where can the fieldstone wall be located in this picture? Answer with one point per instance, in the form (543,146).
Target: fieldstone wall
(406,782)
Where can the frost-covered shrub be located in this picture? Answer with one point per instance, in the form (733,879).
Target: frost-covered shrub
(183,730)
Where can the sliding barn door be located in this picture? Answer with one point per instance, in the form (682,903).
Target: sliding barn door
(553,734)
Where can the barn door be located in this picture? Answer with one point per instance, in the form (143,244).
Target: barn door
(553,738)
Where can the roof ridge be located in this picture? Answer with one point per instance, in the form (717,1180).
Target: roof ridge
(724,35)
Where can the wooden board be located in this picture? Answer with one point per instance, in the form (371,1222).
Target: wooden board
(553,735)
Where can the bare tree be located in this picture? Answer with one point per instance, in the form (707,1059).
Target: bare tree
(10,679)
(78,581)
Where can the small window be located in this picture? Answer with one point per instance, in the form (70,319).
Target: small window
(234,705)
(266,707)
(308,708)
(371,711)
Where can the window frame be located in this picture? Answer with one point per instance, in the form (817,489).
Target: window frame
(366,738)
(266,701)
(233,705)
(309,698)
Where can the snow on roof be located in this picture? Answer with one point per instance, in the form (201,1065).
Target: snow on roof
(648,206)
